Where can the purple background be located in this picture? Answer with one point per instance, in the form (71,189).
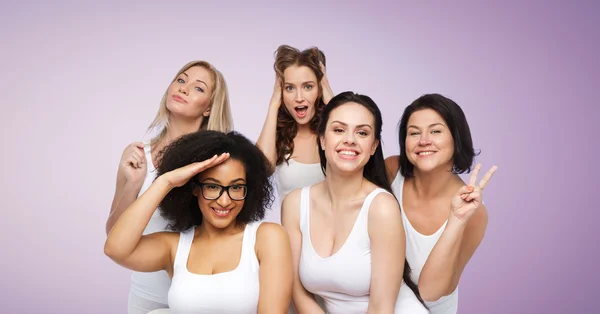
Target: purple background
(80,81)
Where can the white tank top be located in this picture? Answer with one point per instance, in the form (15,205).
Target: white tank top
(296,175)
(343,280)
(418,248)
(232,292)
(151,286)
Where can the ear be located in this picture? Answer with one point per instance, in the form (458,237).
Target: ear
(196,191)
(374,148)
(207,112)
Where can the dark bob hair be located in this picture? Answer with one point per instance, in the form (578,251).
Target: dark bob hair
(457,124)
(374,170)
(180,206)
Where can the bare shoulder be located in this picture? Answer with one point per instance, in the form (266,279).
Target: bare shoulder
(392,165)
(383,207)
(290,207)
(271,238)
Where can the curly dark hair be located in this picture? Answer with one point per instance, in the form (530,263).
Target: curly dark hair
(287,128)
(180,205)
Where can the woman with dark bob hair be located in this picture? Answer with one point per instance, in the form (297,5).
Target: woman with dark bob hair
(346,232)
(444,218)
(213,188)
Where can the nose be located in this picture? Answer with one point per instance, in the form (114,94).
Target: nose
(299,97)
(349,138)
(224,200)
(424,140)
(183,89)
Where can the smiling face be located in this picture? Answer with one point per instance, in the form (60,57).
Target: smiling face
(190,93)
(349,138)
(429,143)
(300,92)
(221,211)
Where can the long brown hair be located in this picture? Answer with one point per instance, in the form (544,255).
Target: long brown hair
(287,128)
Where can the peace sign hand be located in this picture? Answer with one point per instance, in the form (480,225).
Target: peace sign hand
(181,176)
(468,198)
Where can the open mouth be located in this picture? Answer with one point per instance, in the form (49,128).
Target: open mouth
(301,111)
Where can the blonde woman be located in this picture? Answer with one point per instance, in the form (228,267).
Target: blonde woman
(196,99)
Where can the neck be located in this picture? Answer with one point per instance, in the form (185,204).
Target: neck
(433,183)
(304,130)
(180,127)
(209,231)
(341,187)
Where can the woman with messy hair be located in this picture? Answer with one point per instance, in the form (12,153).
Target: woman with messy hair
(196,99)
(213,189)
(289,134)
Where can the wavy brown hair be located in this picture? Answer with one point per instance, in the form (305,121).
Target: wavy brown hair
(287,128)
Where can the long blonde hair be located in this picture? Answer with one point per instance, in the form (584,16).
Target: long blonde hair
(220,118)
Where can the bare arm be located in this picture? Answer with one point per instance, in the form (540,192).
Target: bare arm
(388,251)
(268,135)
(130,178)
(125,243)
(327,92)
(450,255)
(464,232)
(276,274)
(304,301)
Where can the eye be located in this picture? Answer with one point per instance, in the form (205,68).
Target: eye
(436,131)
(211,187)
(414,133)
(237,187)
(308,87)
(289,87)
(363,133)
(200,89)
(180,80)
(338,130)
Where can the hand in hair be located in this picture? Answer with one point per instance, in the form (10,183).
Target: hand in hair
(468,198)
(327,92)
(181,176)
(276,98)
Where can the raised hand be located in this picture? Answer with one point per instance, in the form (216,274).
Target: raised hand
(468,198)
(327,92)
(276,98)
(181,176)
(133,163)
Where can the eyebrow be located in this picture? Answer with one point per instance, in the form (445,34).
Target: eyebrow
(431,125)
(196,80)
(358,126)
(307,82)
(217,181)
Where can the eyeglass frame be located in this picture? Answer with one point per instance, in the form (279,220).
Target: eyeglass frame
(223,188)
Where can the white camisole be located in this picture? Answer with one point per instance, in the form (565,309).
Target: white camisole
(152,286)
(343,280)
(418,248)
(296,175)
(232,292)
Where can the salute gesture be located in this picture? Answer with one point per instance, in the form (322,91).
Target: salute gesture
(468,198)
(180,176)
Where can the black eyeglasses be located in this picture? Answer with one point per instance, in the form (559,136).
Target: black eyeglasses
(212,191)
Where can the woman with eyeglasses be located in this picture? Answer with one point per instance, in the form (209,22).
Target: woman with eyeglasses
(213,188)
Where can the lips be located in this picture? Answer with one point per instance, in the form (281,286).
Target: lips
(221,212)
(346,153)
(301,111)
(425,153)
(179,99)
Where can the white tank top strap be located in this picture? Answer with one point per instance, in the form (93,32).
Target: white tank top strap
(183,249)
(249,244)
(363,215)
(304,208)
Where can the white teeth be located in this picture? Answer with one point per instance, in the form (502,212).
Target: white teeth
(221,212)
(347,152)
(426,153)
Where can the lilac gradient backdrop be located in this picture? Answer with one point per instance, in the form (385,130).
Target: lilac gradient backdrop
(81,80)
